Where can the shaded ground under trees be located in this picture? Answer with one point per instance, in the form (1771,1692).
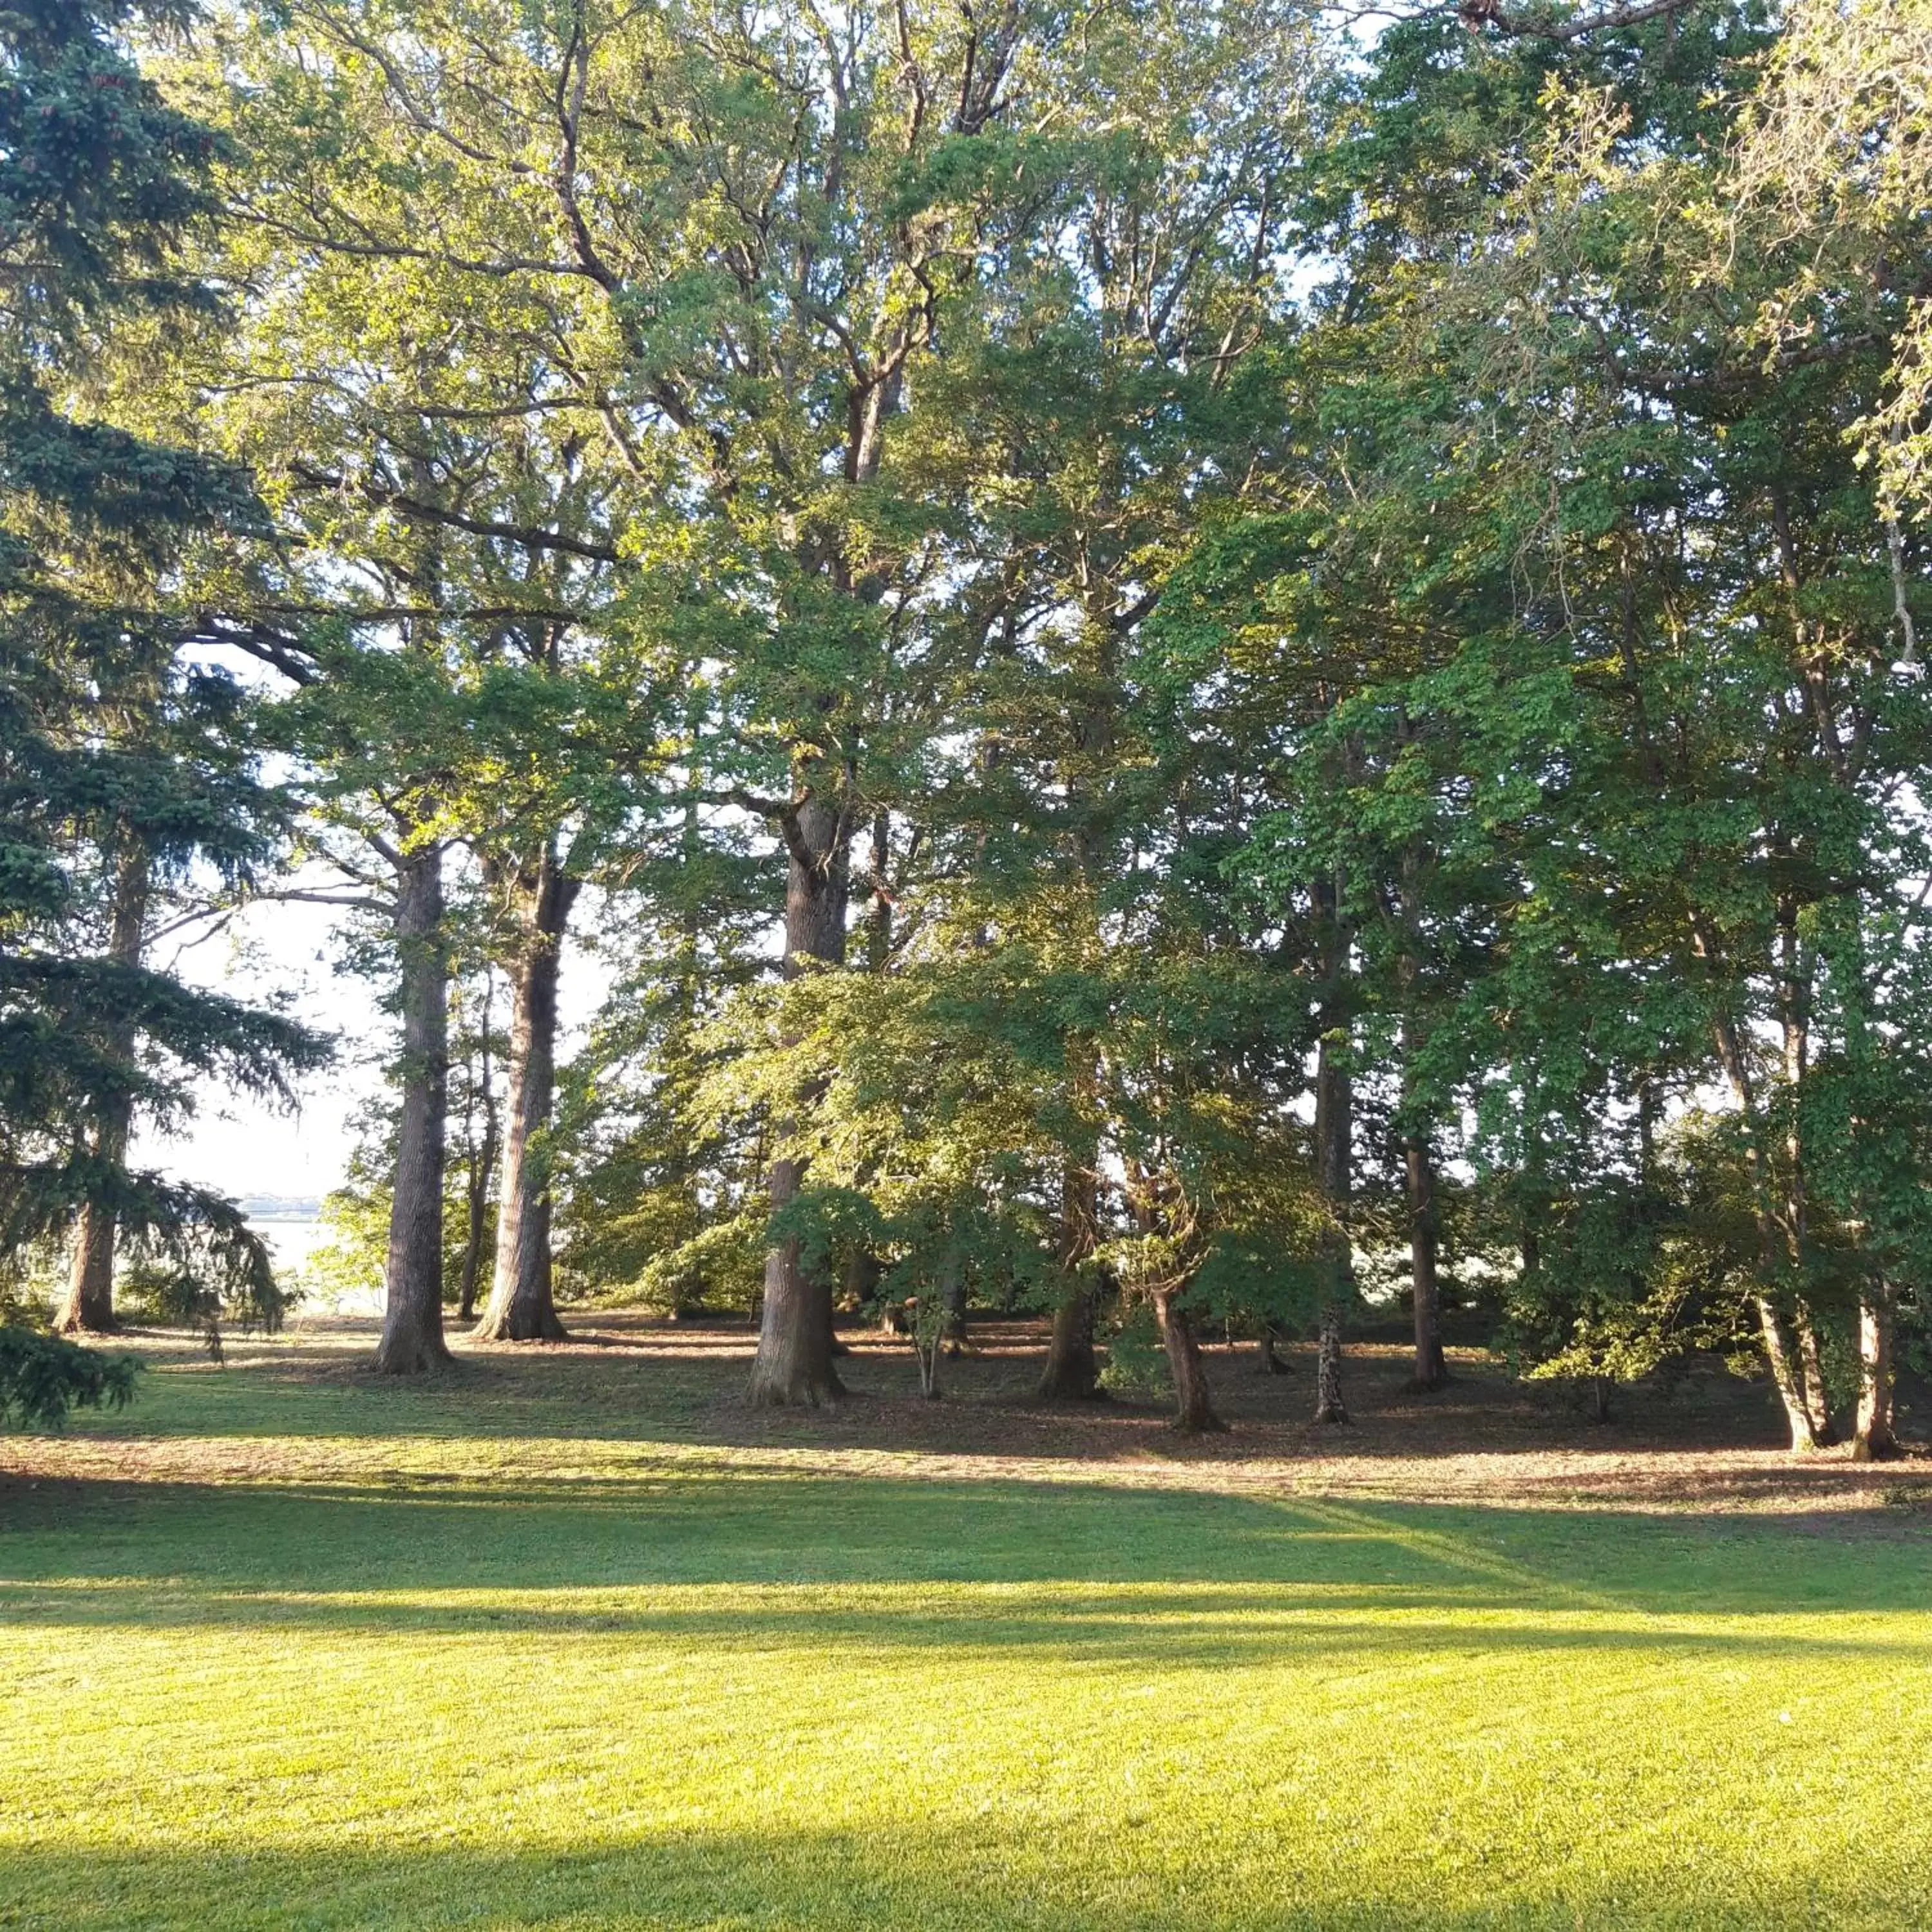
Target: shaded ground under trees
(1698,1435)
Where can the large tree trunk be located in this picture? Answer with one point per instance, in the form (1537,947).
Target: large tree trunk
(1874,1441)
(793,1364)
(412,1319)
(1329,1406)
(89,1302)
(1072,1370)
(953,1297)
(1193,1409)
(1431,1370)
(521,1307)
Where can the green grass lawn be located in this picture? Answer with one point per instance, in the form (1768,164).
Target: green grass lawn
(305,1651)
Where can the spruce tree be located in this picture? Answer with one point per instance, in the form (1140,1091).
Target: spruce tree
(123,766)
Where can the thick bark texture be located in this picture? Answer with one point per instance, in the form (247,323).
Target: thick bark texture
(412,1317)
(793,1364)
(1329,1406)
(521,1307)
(88,1304)
(1193,1407)
(1073,1370)
(1431,1371)
(952,1298)
(1873,1441)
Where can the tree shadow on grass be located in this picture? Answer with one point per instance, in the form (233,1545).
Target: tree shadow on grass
(898,1877)
(1090,1562)
(1166,1629)
(912,1579)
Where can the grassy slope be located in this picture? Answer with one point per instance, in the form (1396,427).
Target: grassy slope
(379,1665)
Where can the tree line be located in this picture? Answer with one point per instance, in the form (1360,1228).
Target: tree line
(1196,663)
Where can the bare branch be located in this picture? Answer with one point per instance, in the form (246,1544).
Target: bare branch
(1540,25)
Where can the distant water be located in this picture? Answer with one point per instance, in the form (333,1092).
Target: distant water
(292,1242)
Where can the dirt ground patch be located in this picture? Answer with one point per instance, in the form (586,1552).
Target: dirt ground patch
(665,1397)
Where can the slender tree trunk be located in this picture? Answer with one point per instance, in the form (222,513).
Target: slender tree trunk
(879,914)
(1072,1370)
(793,1364)
(1334,1142)
(1874,1441)
(88,1304)
(412,1319)
(1193,1407)
(1782,1356)
(1793,1358)
(1431,1371)
(477,1205)
(1811,1369)
(1794,982)
(1267,1362)
(482,1166)
(520,1307)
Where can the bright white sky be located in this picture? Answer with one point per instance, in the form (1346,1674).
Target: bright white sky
(245,1147)
(288,951)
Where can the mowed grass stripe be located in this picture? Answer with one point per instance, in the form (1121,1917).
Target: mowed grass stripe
(731,1697)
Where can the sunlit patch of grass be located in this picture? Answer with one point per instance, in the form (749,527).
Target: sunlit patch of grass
(462,1657)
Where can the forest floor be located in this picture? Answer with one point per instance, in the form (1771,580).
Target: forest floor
(569,1637)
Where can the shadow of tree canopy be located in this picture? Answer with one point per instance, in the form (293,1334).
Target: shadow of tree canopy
(624,1379)
(901,1877)
(417,1683)
(283,1551)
